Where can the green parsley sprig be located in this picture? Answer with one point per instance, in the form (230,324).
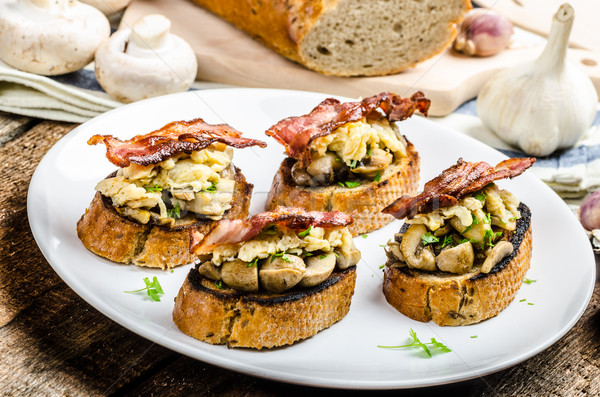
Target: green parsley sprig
(283,256)
(429,238)
(154,188)
(437,347)
(305,232)
(174,212)
(349,184)
(153,289)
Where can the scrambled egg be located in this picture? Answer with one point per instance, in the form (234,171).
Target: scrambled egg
(352,141)
(195,181)
(264,245)
(500,204)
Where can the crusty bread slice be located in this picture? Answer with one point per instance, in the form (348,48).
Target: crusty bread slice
(364,202)
(348,37)
(106,233)
(260,320)
(464,299)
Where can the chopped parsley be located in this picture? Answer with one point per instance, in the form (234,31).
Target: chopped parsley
(438,347)
(475,222)
(174,212)
(323,256)
(473,337)
(529,303)
(353,164)
(305,232)
(429,238)
(365,235)
(488,238)
(349,184)
(522,300)
(283,256)
(254,263)
(447,240)
(219,284)
(480,196)
(377,176)
(212,187)
(154,188)
(152,288)
(487,218)
(382,266)
(369,151)
(529,281)
(514,218)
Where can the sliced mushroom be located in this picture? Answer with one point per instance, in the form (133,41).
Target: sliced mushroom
(344,261)
(209,270)
(496,254)
(323,168)
(238,275)
(318,268)
(282,273)
(474,231)
(415,254)
(457,259)
(300,176)
(377,161)
(394,251)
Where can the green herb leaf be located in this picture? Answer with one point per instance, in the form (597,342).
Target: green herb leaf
(276,255)
(429,238)
(254,263)
(174,212)
(369,150)
(305,232)
(152,288)
(514,218)
(270,230)
(351,184)
(488,238)
(475,222)
(529,281)
(463,240)
(286,258)
(353,164)
(382,266)
(529,303)
(487,218)
(447,240)
(522,300)
(438,346)
(154,188)
(377,177)
(219,284)
(323,256)
(212,187)
(341,184)
(473,336)
(480,195)
(308,254)
(365,236)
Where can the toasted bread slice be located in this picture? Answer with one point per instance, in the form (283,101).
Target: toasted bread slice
(108,234)
(364,202)
(463,299)
(259,320)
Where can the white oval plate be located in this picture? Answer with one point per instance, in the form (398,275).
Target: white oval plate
(345,355)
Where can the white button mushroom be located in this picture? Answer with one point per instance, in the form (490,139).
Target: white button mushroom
(50,37)
(281,273)
(318,269)
(108,7)
(145,61)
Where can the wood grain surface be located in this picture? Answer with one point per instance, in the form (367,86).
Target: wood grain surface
(52,343)
(228,55)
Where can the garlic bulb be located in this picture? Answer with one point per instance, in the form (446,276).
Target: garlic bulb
(544,105)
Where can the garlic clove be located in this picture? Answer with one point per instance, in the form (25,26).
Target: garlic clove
(544,105)
(589,211)
(483,33)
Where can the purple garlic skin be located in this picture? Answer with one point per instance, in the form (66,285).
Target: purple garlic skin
(589,211)
(483,33)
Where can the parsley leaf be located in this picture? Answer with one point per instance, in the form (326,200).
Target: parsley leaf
(475,222)
(487,218)
(323,256)
(377,177)
(369,151)
(174,212)
(447,240)
(353,164)
(254,263)
(351,184)
(365,235)
(154,188)
(429,238)
(488,238)
(480,195)
(152,288)
(283,256)
(212,187)
(438,346)
(529,281)
(306,232)
(219,284)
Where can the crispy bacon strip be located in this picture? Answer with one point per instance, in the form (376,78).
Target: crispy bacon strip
(173,138)
(455,182)
(296,133)
(229,231)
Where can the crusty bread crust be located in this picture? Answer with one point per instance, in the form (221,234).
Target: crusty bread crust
(461,299)
(364,202)
(260,320)
(106,233)
(348,37)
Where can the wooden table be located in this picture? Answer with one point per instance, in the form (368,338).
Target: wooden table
(52,343)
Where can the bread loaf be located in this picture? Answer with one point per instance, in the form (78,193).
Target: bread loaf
(348,37)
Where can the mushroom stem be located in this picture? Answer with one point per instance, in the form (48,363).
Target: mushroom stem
(51,5)
(149,33)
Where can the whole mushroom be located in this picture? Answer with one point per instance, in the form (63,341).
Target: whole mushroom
(50,37)
(145,61)
(108,7)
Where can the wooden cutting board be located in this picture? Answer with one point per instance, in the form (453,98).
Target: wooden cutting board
(227,55)
(536,16)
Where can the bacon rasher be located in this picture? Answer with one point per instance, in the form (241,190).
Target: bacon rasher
(296,133)
(454,183)
(229,231)
(173,138)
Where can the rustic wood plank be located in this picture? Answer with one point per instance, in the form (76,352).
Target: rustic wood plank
(24,272)
(12,126)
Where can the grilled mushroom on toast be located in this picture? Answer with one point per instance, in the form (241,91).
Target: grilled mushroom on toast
(169,181)
(465,246)
(271,280)
(348,157)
